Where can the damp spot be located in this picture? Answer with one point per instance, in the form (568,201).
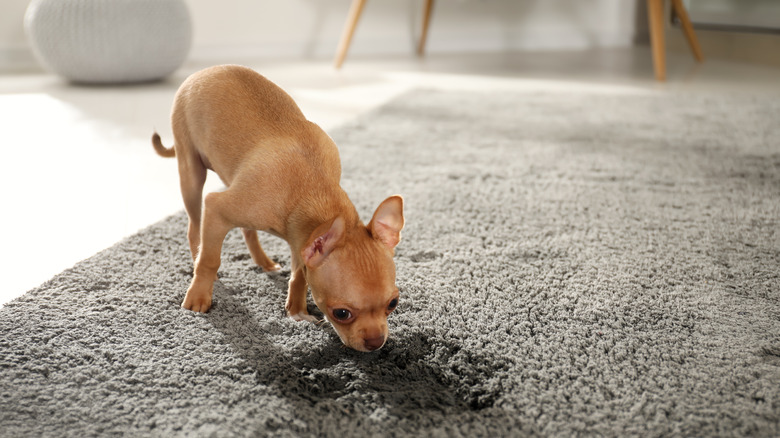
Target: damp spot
(410,373)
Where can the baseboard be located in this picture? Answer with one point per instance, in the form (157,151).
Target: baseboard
(22,59)
(18,60)
(755,48)
(403,45)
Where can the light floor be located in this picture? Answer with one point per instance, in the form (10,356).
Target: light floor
(79,173)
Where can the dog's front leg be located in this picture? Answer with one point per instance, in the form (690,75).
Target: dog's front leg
(296,293)
(214,228)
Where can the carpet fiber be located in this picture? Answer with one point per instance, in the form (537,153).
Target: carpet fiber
(605,264)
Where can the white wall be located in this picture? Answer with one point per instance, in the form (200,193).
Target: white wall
(748,13)
(13,46)
(312,28)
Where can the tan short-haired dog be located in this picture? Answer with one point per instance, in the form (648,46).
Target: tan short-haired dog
(282,174)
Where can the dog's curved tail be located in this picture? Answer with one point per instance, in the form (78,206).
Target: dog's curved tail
(160,149)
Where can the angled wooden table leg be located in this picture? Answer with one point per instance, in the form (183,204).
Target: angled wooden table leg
(687,26)
(426,21)
(655,10)
(349,30)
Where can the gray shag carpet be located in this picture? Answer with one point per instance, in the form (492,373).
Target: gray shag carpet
(598,264)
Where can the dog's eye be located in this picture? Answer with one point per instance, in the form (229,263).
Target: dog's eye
(342,314)
(393,304)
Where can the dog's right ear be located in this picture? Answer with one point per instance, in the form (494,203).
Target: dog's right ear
(322,242)
(388,221)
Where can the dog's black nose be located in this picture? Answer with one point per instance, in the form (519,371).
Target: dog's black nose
(374,343)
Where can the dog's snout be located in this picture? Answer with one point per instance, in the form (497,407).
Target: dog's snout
(374,343)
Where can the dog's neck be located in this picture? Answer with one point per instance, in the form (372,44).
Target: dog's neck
(316,210)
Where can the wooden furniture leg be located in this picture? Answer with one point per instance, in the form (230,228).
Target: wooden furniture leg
(655,12)
(349,30)
(690,35)
(426,21)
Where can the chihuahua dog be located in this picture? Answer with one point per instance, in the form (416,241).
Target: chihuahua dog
(282,174)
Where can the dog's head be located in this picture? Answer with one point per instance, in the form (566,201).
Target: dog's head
(351,273)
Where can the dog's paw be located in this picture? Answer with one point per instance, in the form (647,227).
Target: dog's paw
(197,302)
(303,316)
(272,269)
(201,306)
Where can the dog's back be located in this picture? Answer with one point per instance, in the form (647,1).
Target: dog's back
(249,120)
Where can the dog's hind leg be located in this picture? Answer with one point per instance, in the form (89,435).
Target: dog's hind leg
(258,255)
(192,181)
(192,177)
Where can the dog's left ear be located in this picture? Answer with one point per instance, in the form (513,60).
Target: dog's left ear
(322,242)
(388,221)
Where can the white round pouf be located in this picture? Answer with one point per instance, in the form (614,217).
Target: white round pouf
(109,41)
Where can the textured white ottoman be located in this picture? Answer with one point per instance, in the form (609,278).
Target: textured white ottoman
(109,41)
